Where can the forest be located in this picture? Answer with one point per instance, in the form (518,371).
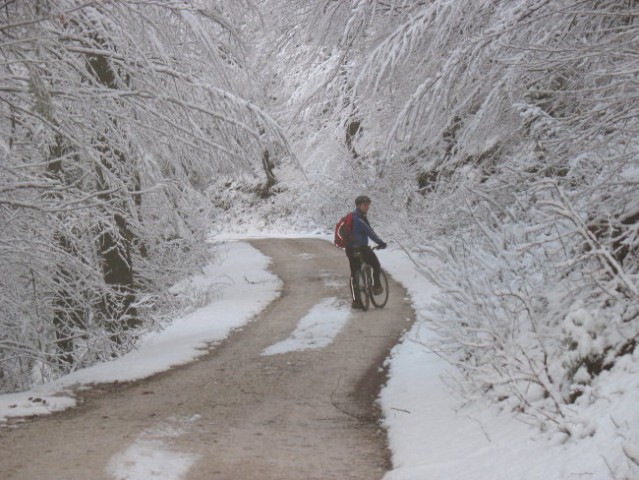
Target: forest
(498,140)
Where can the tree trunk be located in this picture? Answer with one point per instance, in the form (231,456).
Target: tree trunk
(68,314)
(353,128)
(265,191)
(116,240)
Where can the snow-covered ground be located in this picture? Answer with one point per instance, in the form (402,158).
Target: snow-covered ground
(431,435)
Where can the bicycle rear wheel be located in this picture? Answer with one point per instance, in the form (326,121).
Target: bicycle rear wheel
(380,300)
(361,289)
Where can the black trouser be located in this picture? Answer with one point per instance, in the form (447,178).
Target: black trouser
(355,263)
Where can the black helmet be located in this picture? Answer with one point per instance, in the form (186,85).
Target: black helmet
(362,199)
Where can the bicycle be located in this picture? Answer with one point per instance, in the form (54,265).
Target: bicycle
(363,285)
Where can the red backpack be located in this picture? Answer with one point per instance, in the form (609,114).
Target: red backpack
(343,230)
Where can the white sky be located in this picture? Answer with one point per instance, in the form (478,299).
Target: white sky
(431,436)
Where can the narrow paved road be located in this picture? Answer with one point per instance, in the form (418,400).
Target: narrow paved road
(236,413)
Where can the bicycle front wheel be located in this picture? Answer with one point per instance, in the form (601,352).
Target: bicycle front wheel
(381,298)
(361,289)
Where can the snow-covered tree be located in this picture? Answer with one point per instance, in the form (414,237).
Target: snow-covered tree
(518,142)
(503,137)
(115,116)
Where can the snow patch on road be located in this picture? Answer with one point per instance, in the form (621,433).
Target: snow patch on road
(316,330)
(149,457)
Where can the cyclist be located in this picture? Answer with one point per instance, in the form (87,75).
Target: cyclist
(358,242)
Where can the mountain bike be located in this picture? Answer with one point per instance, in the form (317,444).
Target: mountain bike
(363,285)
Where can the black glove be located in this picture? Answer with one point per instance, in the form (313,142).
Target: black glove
(382,246)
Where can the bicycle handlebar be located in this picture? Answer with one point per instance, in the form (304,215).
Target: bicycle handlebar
(357,250)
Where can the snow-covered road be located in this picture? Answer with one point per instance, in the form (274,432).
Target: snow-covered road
(290,395)
(292,385)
